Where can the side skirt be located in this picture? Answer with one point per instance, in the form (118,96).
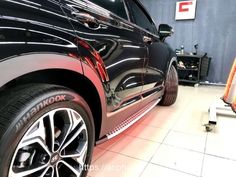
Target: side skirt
(129,122)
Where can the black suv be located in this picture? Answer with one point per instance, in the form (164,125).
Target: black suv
(75,73)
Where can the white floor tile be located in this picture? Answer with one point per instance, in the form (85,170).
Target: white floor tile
(159,119)
(221,142)
(179,159)
(147,132)
(97,152)
(222,145)
(159,171)
(218,167)
(116,165)
(192,122)
(136,148)
(187,141)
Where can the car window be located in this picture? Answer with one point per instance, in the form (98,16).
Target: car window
(140,18)
(115,6)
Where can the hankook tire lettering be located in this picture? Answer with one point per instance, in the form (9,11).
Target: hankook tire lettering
(38,107)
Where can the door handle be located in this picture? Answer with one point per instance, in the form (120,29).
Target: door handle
(147,39)
(87,20)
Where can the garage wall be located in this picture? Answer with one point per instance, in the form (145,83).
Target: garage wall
(214,29)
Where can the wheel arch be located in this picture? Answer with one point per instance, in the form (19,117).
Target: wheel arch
(59,70)
(172,61)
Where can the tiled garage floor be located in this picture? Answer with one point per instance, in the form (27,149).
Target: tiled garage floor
(171,142)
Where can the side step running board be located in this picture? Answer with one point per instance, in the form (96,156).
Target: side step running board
(128,122)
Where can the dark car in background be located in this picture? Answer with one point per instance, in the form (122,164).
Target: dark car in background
(74,73)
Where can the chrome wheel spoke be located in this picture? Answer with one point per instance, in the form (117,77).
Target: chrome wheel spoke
(76,142)
(56,172)
(35,141)
(82,155)
(51,131)
(37,131)
(36,134)
(49,171)
(73,137)
(73,169)
(75,119)
(62,128)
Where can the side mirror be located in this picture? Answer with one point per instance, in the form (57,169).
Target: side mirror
(164,31)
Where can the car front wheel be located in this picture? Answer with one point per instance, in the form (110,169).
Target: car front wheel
(46,131)
(171,88)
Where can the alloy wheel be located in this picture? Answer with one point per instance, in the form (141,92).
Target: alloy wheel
(54,146)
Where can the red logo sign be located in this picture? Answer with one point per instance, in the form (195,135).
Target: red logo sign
(182,8)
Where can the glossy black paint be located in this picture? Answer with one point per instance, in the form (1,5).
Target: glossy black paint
(131,69)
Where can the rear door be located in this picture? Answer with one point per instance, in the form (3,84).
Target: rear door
(103,27)
(155,62)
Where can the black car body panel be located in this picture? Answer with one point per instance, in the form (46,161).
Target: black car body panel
(126,63)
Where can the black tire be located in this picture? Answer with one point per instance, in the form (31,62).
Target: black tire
(21,110)
(171,88)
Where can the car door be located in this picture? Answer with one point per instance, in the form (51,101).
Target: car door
(102,26)
(155,62)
